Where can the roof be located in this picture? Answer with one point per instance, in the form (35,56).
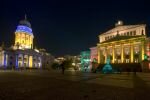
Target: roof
(118,38)
(23,28)
(122,27)
(25,22)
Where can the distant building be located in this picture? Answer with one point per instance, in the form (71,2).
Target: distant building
(124,44)
(93,57)
(59,59)
(85,61)
(21,54)
(93,54)
(47,59)
(75,60)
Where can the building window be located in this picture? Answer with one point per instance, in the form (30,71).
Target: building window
(142,32)
(124,34)
(134,32)
(11,57)
(136,58)
(127,60)
(19,64)
(19,58)
(131,33)
(127,56)
(25,64)
(127,33)
(10,63)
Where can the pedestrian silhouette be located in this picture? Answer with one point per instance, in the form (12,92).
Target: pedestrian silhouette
(63,69)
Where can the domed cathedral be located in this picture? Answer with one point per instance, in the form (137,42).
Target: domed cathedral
(22,55)
(24,35)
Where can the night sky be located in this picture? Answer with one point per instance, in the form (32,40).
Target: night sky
(69,27)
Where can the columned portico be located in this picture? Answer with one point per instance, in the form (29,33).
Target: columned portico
(123,51)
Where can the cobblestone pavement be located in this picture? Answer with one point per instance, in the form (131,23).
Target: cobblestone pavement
(52,85)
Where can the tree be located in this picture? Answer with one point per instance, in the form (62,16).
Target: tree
(55,65)
(67,64)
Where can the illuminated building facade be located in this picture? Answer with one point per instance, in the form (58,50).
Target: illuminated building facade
(123,44)
(93,54)
(76,62)
(22,54)
(85,61)
(23,35)
(93,57)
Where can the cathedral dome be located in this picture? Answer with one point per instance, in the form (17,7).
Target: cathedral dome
(25,22)
(24,26)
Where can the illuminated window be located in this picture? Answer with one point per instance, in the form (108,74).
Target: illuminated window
(25,64)
(19,64)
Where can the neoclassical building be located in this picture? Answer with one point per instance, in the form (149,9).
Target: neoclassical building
(123,44)
(22,54)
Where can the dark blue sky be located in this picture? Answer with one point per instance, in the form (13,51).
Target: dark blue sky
(68,27)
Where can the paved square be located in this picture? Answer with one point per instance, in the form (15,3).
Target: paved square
(52,85)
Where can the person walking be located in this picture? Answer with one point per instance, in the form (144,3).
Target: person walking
(63,69)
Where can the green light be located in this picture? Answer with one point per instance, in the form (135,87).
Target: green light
(145,57)
(85,60)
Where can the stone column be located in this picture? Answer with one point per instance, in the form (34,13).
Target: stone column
(16,61)
(131,52)
(122,53)
(40,61)
(142,50)
(113,53)
(5,61)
